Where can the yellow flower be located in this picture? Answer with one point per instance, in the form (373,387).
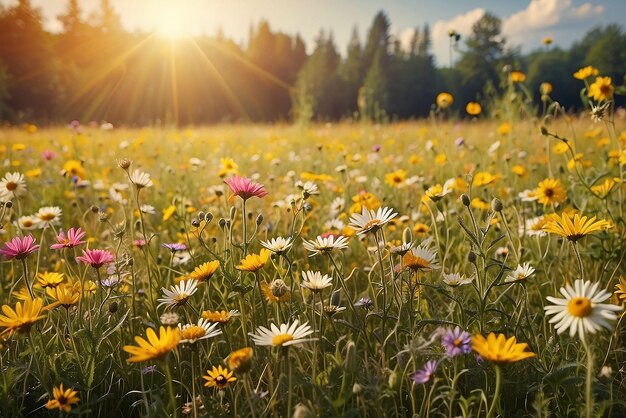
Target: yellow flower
(504,129)
(228,167)
(517,77)
(395,178)
(574,227)
(421,229)
(35,172)
(473,108)
(22,317)
(585,72)
(547,40)
(169,212)
(155,347)
(479,203)
(545,88)
(221,317)
(205,271)
(276,291)
(50,279)
(500,350)
(601,89)
(602,190)
(620,290)
(65,294)
(18,147)
(73,168)
(519,170)
(63,399)
(366,199)
(254,262)
(444,100)
(550,191)
(441,159)
(219,377)
(560,148)
(240,360)
(483,178)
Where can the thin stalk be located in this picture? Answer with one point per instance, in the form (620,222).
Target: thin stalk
(496,395)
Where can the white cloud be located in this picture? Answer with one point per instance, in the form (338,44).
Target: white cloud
(462,24)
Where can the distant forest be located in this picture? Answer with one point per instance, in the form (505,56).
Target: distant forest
(96,70)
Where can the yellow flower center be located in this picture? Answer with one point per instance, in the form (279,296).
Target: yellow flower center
(371,224)
(457,342)
(281,339)
(47,216)
(580,307)
(11,186)
(193,333)
(549,192)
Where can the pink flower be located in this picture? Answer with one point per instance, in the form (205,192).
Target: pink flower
(19,247)
(245,188)
(72,239)
(48,155)
(96,258)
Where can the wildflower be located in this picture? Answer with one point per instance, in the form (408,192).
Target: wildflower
(308,188)
(63,399)
(19,248)
(73,168)
(220,317)
(12,185)
(522,272)
(500,350)
(483,178)
(155,347)
(27,223)
(140,179)
(585,72)
(278,245)
(204,271)
(601,89)
(325,244)
(240,360)
(581,310)
(66,295)
(50,279)
(96,258)
(219,377)
(276,291)
(176,246)
(426,373)
(228,167)
(550,192)
(421,229)
(284,336)
(190,333)
(370,220)
(245,188)
(517,77)
(365,303)
(545,88)
(598,113)
(48,216)
(169,318)
(456,342)
(169,212)
(473,108)
(395,178)
(71,240)
(456,279)
(421,258)
(332,310)
(178,295)
(437,191)
(620,290)
(444,100)
(574,227)
(254,262)
(22,318)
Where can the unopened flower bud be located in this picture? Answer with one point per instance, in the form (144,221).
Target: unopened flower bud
(350,362)
(471,257)
(407,235)
(544,130)
(233,212)
(496,205)
(200,215)
(94,209)
(113,306)
(124,163)
(393,380)
(302,411)
(465,200)
(195,223)
(208,217)
(259,219)
(357,389)
(8,205)
(222,223)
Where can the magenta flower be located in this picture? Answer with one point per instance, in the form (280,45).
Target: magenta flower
(456,342)
(245,188)
(72,239)
(422,376)
(19,247)
(96,258)
(175,247)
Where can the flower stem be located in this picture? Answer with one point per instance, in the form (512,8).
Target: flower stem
(496,395)
(588,381)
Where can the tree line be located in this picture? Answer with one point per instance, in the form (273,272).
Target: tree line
(95,70)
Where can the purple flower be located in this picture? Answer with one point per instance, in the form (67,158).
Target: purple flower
(456,342)
(365,303)
(376,147)
(459,142)
(422,376)
(175,247)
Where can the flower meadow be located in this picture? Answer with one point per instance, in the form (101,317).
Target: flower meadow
(447,267)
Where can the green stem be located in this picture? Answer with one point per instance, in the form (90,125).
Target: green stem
(496,395)
(588,381)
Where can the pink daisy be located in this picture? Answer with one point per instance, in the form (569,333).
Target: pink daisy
(72,239)
(245,188)
(96,258)
(19,247)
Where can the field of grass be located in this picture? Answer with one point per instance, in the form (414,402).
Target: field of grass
(480,240)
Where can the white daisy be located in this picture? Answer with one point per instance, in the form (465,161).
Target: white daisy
(48,215)
(456,279)
(190,333)
(140,178)
(147,209)
(337,206)
(308,188)
(12,185)
(533,227)
(581,310)
(314,281)
(286,335)
(527,195)
(27,223)
(370,220)
(523,271)
(178,294)
(325,244)
(278,245)
(334,224)
(422,258)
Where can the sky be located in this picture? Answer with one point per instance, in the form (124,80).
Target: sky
(524,23)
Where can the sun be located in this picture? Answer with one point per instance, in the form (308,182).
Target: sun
(169,20)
